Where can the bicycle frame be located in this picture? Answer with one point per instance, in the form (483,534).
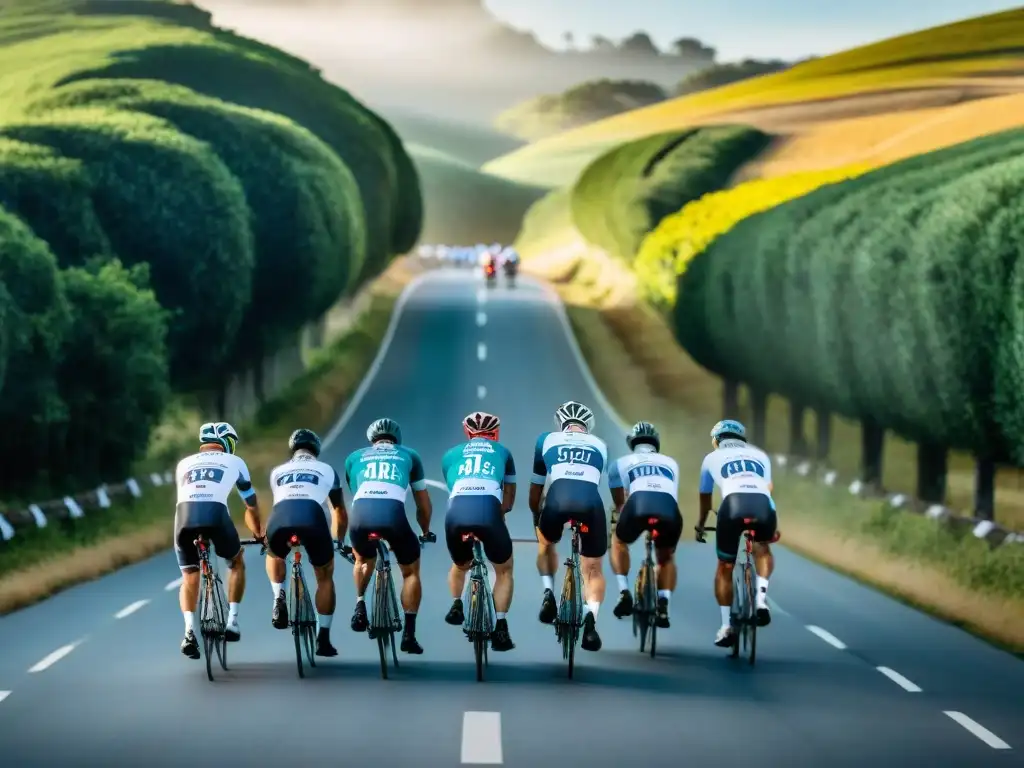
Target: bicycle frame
(479,623)
(646,592)
(569,621)
(211,598)
(385,620)
(301,611)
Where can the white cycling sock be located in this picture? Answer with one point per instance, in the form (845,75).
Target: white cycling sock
(232,613)
(361,598)
(278,588)
(623,582)
(594,606)
(549,582)
(190,617)
(323,621)
(498,615)
(665,594)
(762,591)
(726,617)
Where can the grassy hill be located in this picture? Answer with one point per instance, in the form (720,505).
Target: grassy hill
(177,204)
(968,54)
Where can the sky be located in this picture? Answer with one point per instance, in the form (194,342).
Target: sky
(786,29)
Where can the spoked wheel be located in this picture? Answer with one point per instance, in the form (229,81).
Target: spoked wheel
(751,634)
(221,640)
(641,611)
(480,651)
(309,638)
(739,613)
(382,648)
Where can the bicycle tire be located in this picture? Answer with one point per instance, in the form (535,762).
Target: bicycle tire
(204,625)
(220,644)
(638,608)
(396,620)
(568,619)
(751,618)
(737,613)
(652,606)
(380,622)
(309,625)
(476,622)
(295,619)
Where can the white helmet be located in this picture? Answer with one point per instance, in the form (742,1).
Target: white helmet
(574,413)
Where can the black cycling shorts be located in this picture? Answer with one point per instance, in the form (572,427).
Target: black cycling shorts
(213,521)
(307,520)
(387,518)
(741,512)
(575,500)
(481,516)
(641,509)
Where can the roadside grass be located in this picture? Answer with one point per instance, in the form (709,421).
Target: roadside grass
(39,563)
(955,53)
(646,375)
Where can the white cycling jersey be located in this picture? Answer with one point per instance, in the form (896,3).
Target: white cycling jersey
(210,476)
(645,470)
(569,456)
(736,467)
(304,477)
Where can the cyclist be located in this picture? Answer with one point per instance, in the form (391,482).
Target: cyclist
(481,478)
(645,486)
(304,487)
(379,478)
(204,482)
(573,460)
(743,473)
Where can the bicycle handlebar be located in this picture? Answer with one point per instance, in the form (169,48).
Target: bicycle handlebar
(346,551)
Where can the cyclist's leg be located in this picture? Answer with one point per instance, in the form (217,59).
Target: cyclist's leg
(362,522)
(550,525)
(727,542)
(224,537)
(188,564)
(405,546)
(764,562)
(280,528)
(461,553)
(497,545)
(593,547)
(316,538)
(670,530)
(627,531)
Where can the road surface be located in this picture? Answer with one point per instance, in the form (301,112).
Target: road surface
(845,677)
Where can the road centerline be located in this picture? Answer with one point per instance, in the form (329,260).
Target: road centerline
(481,738)
(481,319)
(828,637)
(481,351)
(51,659)
(128,610)
(977,729)
(899,679)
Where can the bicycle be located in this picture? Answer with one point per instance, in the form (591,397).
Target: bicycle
(743,617)
(570,608)
(385,618)
(212,616)
(645,593)
(479,622)
(301,613)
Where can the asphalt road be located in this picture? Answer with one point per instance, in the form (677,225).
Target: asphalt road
(89,685)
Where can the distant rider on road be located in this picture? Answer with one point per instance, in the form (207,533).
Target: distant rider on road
(380,477)
(481,479)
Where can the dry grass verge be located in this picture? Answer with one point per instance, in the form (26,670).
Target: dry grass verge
(46,561)
(644,373)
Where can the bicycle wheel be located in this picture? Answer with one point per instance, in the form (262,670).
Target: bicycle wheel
(652,606)
(569,610)
(641,610)
(308,625)
(204,624)
(295,616)
(221,642)
(476,623)
(380,622)
(748,575)
(396,621)
(739,611)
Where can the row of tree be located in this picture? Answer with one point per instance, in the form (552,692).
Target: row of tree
(895,298)
(156,239)
(640,43)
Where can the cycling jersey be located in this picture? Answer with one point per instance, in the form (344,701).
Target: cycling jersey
(575,456)
(478,467)
(304,477)
(736,467)
(384,471)
(645,471)
(210,476)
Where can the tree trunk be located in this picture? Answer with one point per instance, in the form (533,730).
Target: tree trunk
(797,438)
(872,441)
(932,471)
(759,418)
(985,489)
(823,421)
(730,399)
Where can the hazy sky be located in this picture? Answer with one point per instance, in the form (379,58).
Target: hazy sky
(739,28)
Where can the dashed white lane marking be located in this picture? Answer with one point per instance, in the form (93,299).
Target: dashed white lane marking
(481,295)
(959,717)
(481,319)
(173,584)
(481,351)
(899,679)
(481,392)
(481,738)
(4,695)
(828,637)
(128,610)
(53,658)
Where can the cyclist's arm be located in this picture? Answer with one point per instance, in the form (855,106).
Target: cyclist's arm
(616,487)
(252,505)
(339,514)
(508,492)
(707,488)
(540,475)
(418,483)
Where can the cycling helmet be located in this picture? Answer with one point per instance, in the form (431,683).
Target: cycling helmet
(728,429)
(574,413)
(384,429)
(480,424)
(643,433)
(218,433)
(305,440)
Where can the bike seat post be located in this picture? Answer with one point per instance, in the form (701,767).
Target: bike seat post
(294,544)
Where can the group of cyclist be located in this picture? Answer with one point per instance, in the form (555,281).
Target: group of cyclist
(480,474)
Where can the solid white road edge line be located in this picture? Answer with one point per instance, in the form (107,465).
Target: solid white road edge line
(978,730)
(173,584)
(481,738)
(899,679)
(128,610)
(53,658)
(828,637)
(481,351)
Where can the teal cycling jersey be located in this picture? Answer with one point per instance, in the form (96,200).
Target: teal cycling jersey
(478,467)
(384,471)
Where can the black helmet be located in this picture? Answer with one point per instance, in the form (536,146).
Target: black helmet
(643,433)
(384,429)
(304,440)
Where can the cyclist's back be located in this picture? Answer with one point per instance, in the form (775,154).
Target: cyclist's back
(476,472)
(743,474)
(205,481)
(301,488)
(573,463)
